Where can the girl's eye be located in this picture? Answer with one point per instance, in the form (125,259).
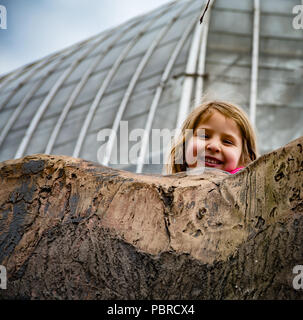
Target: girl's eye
(228,141)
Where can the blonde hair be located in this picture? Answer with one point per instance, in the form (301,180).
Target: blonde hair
(176,157)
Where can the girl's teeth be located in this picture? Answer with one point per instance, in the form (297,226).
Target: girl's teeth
(212,161)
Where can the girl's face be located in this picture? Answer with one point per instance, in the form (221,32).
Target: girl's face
(219,141)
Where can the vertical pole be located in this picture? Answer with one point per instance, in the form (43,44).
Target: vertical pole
(255,64)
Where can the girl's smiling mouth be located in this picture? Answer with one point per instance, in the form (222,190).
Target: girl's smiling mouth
(212,162)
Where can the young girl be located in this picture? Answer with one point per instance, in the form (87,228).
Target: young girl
(216,134)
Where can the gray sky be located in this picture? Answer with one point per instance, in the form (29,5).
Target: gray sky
(36,28)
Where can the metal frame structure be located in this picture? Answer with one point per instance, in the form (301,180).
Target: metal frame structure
(158,93)
(104,86)
(255,64)
(77,91)
(46,102)
(132,84)
(61,102)
(12,76)
(14,116)
(202,56)
(199,43)
(16,74)
(188,83)
(31,73)
(81,85)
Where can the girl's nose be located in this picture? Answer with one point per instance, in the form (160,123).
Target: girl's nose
(213,146)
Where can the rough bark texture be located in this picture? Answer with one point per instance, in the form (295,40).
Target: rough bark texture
(72,229)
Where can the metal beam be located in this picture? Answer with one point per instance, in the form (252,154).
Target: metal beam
(35,121)
(17,111)
(78,89)
(17,73)
(13,75)
(255,64)
(191,67)
(155,102)
(80,86)
(188,83)
(202,57)
(31,72)
(104,86)
(132,84)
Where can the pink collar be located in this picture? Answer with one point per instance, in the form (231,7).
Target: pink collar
(236,170)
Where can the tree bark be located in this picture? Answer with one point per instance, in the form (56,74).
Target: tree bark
(73,229)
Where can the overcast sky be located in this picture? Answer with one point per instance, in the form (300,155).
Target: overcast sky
(36,28)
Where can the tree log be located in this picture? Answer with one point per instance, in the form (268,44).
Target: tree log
(73,229)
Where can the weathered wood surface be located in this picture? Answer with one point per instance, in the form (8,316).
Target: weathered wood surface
(72,229)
